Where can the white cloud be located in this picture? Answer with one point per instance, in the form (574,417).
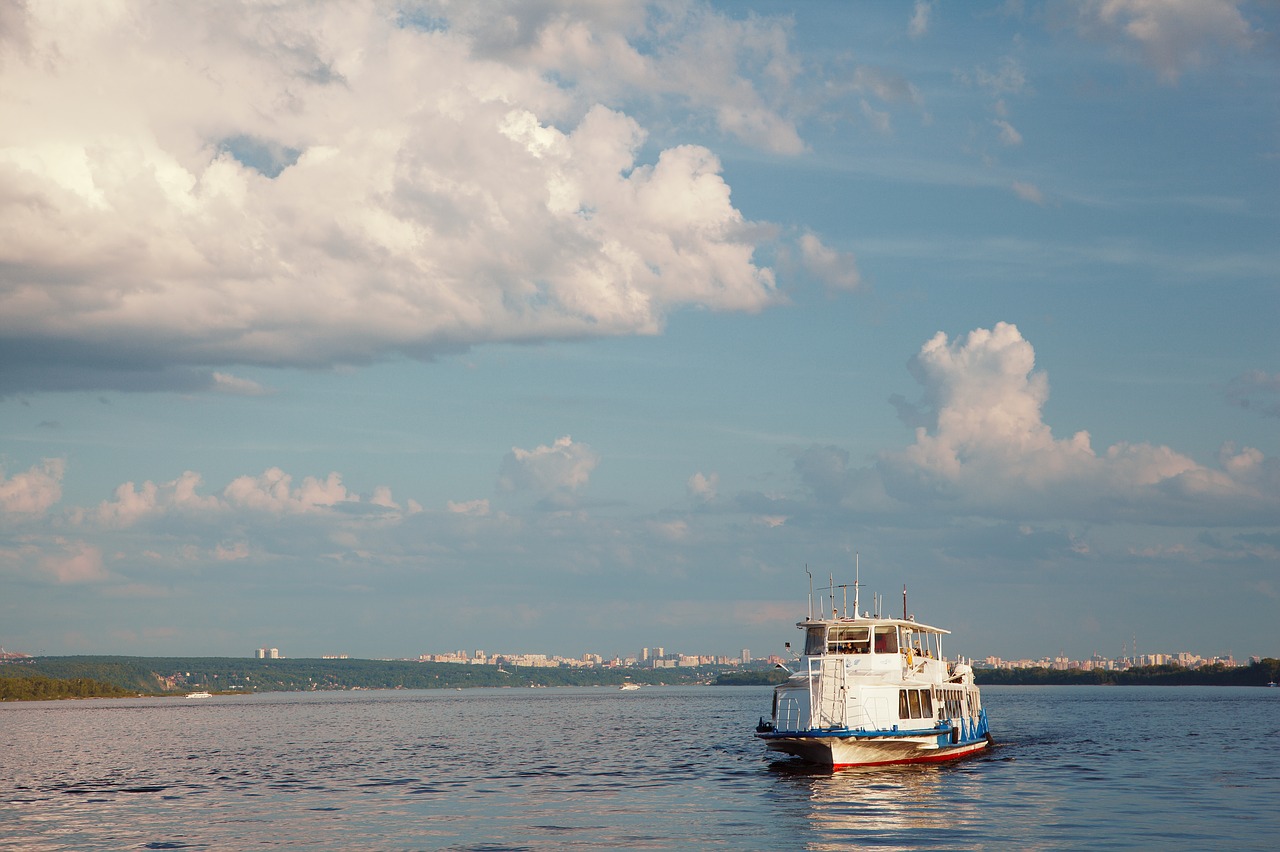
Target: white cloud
(74,562)
(553,472)
(229,384)
(838,270)
(673,531)
(1008,79)
(32,492)
(1173,35)
(271,494)
(1028,192)
(985,448)
(919,24)
(303,186)
(133,503)
(476,508)
(738,71)
(879,119)
(1009,134)
(703,487)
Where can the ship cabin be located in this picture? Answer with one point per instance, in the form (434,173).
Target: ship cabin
(871,636)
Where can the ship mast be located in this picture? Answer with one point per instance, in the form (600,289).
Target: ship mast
(857,575)
(810,573)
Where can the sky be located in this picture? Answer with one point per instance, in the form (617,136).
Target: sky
(384,328)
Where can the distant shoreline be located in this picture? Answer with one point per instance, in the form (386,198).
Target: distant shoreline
(168,676)
(1255,674)
(43,678)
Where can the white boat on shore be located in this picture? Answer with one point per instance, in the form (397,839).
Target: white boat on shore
(628,686)
(199,694)
(871,691)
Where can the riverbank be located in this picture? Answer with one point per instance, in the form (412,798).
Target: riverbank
(180,675)
(1260,673)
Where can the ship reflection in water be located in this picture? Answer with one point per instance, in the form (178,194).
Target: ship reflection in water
(853,808)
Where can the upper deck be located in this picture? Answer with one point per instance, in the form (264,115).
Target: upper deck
(870,636)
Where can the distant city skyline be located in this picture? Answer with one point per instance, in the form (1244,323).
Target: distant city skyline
(374,326)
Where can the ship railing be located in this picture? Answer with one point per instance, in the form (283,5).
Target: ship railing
(790,716)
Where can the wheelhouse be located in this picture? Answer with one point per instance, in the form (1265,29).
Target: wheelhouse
(861,636)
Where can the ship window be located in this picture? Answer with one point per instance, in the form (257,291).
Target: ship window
(886,640)
(903,711)
(926,704)
(913,696)
(847,640)
(814,640)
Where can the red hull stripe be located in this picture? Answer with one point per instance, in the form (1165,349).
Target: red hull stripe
(934,758)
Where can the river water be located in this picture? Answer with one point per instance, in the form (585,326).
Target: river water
(659,768)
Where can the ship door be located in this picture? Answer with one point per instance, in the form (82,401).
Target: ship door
(830,689)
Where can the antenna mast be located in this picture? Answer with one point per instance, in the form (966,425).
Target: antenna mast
(810,573)
(857,576)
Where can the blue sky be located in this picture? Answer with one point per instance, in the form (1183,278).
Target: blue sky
(380,328)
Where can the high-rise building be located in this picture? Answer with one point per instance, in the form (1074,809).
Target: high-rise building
(746,656)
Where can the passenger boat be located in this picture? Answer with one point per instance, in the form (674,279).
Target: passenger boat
(872,690)
(199,694)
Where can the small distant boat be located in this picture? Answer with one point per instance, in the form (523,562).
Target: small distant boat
(629,686)
(874,691)
(199,694)
(1272,684)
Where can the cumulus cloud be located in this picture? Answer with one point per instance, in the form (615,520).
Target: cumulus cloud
(132,503)
(738,71)
(838,270)
(278,184)
(554,473)
(271,494)
(984,448)
(74,562)
(703,487)
(1173,36)
(31,493)
(475,508)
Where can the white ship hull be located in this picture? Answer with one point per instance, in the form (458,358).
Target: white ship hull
(844,752)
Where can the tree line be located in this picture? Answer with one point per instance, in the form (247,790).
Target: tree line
(28,686)
(1255,674)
